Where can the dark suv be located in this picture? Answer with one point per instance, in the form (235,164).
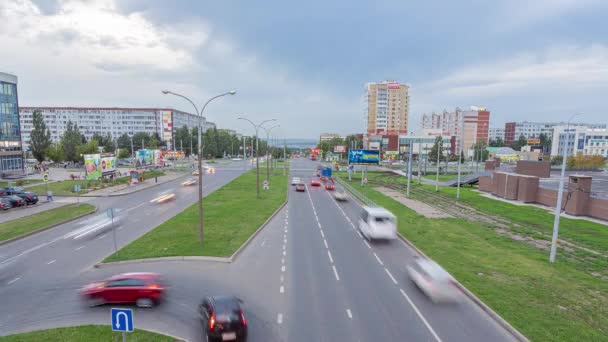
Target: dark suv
(223,319)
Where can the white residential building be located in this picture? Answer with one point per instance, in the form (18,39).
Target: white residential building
(581,139)
(496,132)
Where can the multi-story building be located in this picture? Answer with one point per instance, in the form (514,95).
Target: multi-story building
(328,136)
(496,132)
(11,153)
(111,120)
(468,126)
(387,108)
(581,139)
(532,130)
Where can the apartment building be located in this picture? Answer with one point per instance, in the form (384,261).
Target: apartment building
(115,121)
(496,132)
(532,130)
(11,153)
(387,107)
(581,139)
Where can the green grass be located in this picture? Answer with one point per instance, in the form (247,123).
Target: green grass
(34,222)
(89,333)
(66,188)
(231,214)
(513,278)
(442,177)
(20,182)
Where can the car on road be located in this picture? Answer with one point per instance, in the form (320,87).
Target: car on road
(143,289)
(330,186)
(340,196)
(189,182)
(97,225)
(434,281)
(296,181)
(300,187)
(5,204)
(163,198)
(377,223)
(15,200)
(315,182)
(223,319)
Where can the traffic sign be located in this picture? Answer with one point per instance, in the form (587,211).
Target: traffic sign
(122,320)
(45,177)
(111,212)
(77,188)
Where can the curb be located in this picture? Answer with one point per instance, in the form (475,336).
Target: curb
(47,228)
(496,317)
(171,258)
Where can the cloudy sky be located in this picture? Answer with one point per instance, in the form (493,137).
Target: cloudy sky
(306,63)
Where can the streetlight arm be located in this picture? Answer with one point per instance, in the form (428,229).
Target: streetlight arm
(183,97)
(232,92)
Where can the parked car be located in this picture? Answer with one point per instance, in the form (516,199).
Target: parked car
(27,196)
(143,289)
(377,223)
(15,200)
(223,319)
(5,204)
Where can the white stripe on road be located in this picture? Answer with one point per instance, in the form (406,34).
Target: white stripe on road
(79,248)
(330,258)
(280,318)
(428,326)
(14,280)
(350,314)
(281,289)
(358,232)
(336,273)
(284,253)
(283,268)
(377,258)
(325,242)
(50,262)
(263,242)
(282,260)
(102,236)
(390,275)
(282,278)
(368,246)
(323,235)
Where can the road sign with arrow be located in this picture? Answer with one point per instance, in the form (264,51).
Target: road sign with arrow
(122,320)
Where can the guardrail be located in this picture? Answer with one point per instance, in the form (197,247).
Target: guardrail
(356,193)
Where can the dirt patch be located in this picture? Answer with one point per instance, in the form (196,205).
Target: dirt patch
(417,206)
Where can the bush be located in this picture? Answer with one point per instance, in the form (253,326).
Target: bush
(123,153)
(582,162)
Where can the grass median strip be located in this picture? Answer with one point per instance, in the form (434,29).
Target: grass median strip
(89,333)
(231,214)
(559,302)
(15,228)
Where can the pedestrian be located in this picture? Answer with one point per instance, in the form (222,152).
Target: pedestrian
(156,179)
(49,196)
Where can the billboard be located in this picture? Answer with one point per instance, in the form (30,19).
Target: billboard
(150,157)
(393,86)
(158,158)
(92,167)
(108,165)
(363,157)
(533,141)
(339,149)
(167,128)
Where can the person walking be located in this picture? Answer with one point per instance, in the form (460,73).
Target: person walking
(49,196)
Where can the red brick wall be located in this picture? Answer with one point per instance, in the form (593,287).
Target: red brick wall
(533,168)
(598,208)
(483,125)
(510,133)
(546,197)
(486,184)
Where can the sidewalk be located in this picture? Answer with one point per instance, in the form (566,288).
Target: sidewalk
(125,189)
(17,213)
(417,206)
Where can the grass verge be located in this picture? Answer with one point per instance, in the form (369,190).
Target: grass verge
(231,214)
(559,302)
(66,188)
(442,177)
(20,182)
(14,228)
(101,333)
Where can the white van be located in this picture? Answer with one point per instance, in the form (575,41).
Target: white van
(378,223)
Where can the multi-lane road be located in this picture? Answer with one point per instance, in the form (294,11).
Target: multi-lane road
(308,276)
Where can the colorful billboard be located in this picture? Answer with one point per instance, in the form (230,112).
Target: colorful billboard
(92,167)
(533,141)
(177,155)
(167,128)
(158,158)
(150,157)
(108,166)
(363,157)
(339,149)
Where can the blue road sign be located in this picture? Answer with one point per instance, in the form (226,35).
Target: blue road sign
(122,320)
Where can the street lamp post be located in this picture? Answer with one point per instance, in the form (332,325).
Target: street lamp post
(267,149)
(200,154)
(560,194)
(257,150)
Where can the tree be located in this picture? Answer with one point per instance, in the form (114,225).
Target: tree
(92,147)
(519,143)
(436,150)
(557,160)
(123,153)
(479,151)
(99,138)
(70,141)
(40,138)
(109,146)
(545,142)
(141,140)
(462,160)
(182,138)
(497,143)
(55,153)
(124,142)
(153,142)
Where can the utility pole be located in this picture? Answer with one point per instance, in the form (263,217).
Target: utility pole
(181,145)
(409,167)
(284,158)
(439,151)
(132,150)
(142,144)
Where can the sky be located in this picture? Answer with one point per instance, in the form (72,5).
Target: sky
(306,63)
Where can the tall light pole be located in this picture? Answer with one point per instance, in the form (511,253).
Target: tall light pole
(267,149)
(560,194)
(257,150)
(200,154)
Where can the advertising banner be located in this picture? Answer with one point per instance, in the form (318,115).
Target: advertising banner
(145,157)
(167,127)
(363,157)
(533,141)
(339,149)
(92,167)
(179,155)
(108,166)
(158,158)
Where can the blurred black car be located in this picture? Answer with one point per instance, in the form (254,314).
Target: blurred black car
(223,319)
(5,204)
(28,197)
(15,200)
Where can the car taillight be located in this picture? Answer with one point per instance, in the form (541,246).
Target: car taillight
(243,320)
(212,321)
(154,286)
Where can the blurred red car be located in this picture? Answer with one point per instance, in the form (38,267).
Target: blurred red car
(315,182)
(329,186)
(300,187)
(143,289)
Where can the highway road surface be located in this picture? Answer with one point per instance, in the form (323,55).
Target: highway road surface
(308,276)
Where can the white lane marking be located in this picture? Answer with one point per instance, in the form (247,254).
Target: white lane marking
(282,260)
(263,242)
(51,262)
(102,236)
(135,207)
(358,232)
(390,275)
(283,268)
(284,240)
(79,248)
(428,326)
(280,318)
(282,278)
(319,224)
(284,253)
(119,228)
(325,242)
(14,280)
(378,258)
(282,289)
(350,314)
(323,235)
(368,246)
(284,247)
(330,258)
(336,273)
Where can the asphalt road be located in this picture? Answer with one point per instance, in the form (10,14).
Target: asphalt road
(308,276)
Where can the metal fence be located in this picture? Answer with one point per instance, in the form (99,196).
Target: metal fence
(356,193)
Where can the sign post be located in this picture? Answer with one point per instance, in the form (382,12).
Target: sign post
(111,212)
(122,320)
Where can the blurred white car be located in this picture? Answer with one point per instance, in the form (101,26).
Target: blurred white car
(434,281)
(377,223)
(340,196)
(96,225)
(189,182)
(163,198)
(296,181)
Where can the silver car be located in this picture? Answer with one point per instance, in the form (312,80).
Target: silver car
(434,281)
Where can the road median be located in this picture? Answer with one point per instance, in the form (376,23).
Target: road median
(35,223)
(90,333)
(232,214)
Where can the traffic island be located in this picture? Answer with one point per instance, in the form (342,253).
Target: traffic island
(89,333)
(232,214)
(22,227)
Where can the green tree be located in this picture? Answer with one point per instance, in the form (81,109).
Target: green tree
(91,147)
(436,149)
(462,160)
(545,142)
(182,139)
(124,142)
(109,146)
(519,143)
(479,151)
(497,143)
(55,153)
(70,141)
(40,138)
(123,153)
(141,140)
(100,139)
(557,160)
